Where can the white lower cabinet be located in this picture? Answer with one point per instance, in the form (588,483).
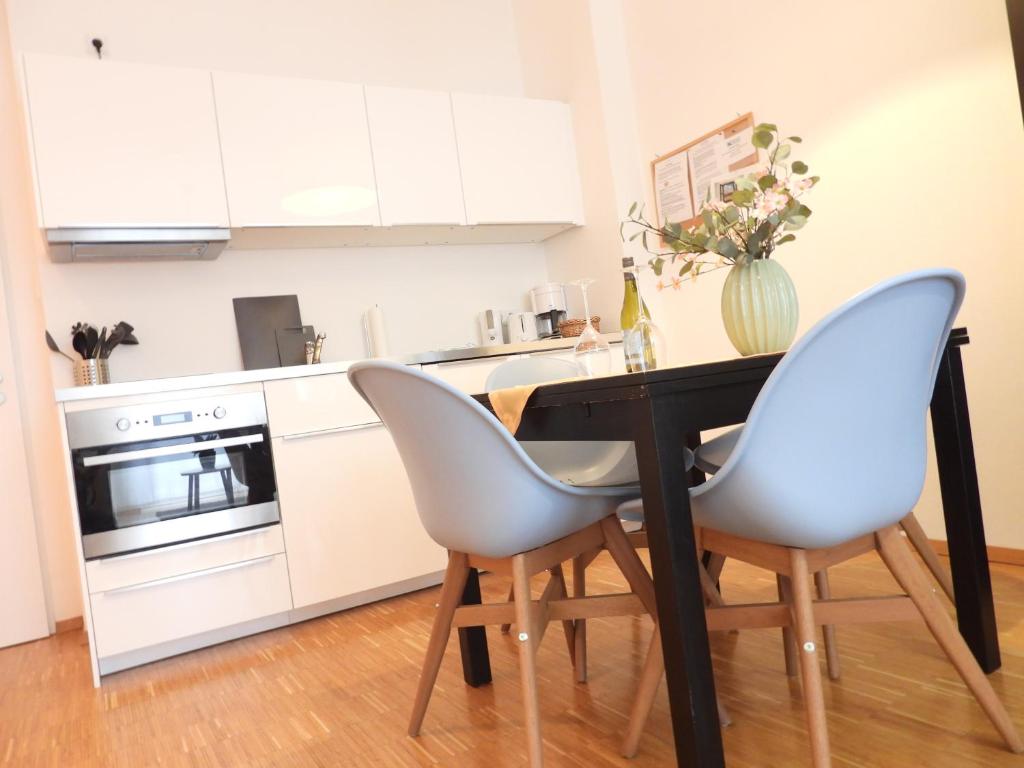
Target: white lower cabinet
(350,522)
(141,615)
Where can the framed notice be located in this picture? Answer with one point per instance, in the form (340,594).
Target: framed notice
(704,169)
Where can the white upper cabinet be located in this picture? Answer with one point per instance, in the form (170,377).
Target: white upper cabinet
(124,144)
(296,152)
(518,160)
(415,156)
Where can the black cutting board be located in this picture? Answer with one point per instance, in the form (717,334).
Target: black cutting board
(258,318)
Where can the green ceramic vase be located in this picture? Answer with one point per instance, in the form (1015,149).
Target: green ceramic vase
(759,307)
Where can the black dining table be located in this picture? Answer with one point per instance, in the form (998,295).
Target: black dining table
(663,412)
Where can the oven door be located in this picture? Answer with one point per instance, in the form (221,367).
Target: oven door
(135,496)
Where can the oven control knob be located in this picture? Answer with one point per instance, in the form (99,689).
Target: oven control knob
(219,412)
(122,425)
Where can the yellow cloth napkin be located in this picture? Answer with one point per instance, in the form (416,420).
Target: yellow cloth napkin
(508,404)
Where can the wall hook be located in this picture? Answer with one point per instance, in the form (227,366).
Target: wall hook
(98,45)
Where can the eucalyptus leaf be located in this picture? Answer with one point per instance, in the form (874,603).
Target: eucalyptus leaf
(762,139)
(767,181)
(709,222)
(743,197)
(783,151)
(745,182)
(635,235)
(766,127)
(657,265)
(731,214)
(685,268)
(632,209)
(799,166)
(794,139)
(795,222)
(727,248)
(786,239)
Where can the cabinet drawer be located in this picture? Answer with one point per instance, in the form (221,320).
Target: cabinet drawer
(117,572)
(314,404)
(142,615)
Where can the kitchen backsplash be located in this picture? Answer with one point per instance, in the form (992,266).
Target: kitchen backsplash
(183,314)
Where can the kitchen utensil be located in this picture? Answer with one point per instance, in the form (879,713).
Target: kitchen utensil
(54,348)
(490,322)
(522,326)
(79,339)
(101,344)
(309,352)
(92,338)
(257,319)
(318,347)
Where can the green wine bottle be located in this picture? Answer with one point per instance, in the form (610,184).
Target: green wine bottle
(637,342)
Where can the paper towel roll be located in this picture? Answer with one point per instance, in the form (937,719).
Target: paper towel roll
(376,335)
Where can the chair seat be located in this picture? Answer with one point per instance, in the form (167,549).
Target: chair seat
(710,456)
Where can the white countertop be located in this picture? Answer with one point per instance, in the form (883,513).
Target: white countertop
(199,381)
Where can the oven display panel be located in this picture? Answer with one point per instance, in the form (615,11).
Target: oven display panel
(172,418)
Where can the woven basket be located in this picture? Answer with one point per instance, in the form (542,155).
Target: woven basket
(575,326)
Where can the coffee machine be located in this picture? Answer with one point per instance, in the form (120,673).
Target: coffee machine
(549,306)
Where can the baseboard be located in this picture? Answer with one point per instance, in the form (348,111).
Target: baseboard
(68,625)
(1006,555)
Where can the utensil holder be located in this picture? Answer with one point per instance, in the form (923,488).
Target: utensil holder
(91,372)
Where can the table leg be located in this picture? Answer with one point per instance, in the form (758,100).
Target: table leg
(476,660)
(660,450)
(961,505)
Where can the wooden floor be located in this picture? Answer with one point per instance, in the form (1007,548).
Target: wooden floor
(336,692)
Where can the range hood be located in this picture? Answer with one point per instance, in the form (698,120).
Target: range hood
(136,244)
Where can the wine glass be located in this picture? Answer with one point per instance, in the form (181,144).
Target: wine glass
(592,352)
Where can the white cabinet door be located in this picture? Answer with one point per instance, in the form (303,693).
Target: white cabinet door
(415,156)
(141,615)
(22,602)
(518,160)
(124,144)
(314,404)
(350,523)
(469,376)
(296,152)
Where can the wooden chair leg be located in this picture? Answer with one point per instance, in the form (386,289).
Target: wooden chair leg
(632,567)
(828,630)
(715,564)
(568,625)
(579,589)
(810,672)
(526,626)
(898,559)
(788,641)
(917,536)
(506,628)
(451,597)
(650,679)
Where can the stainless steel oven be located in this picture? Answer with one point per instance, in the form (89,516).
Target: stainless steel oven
(161,473)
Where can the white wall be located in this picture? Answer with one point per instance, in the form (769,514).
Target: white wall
(466,45)
(910,114)
(185,321)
